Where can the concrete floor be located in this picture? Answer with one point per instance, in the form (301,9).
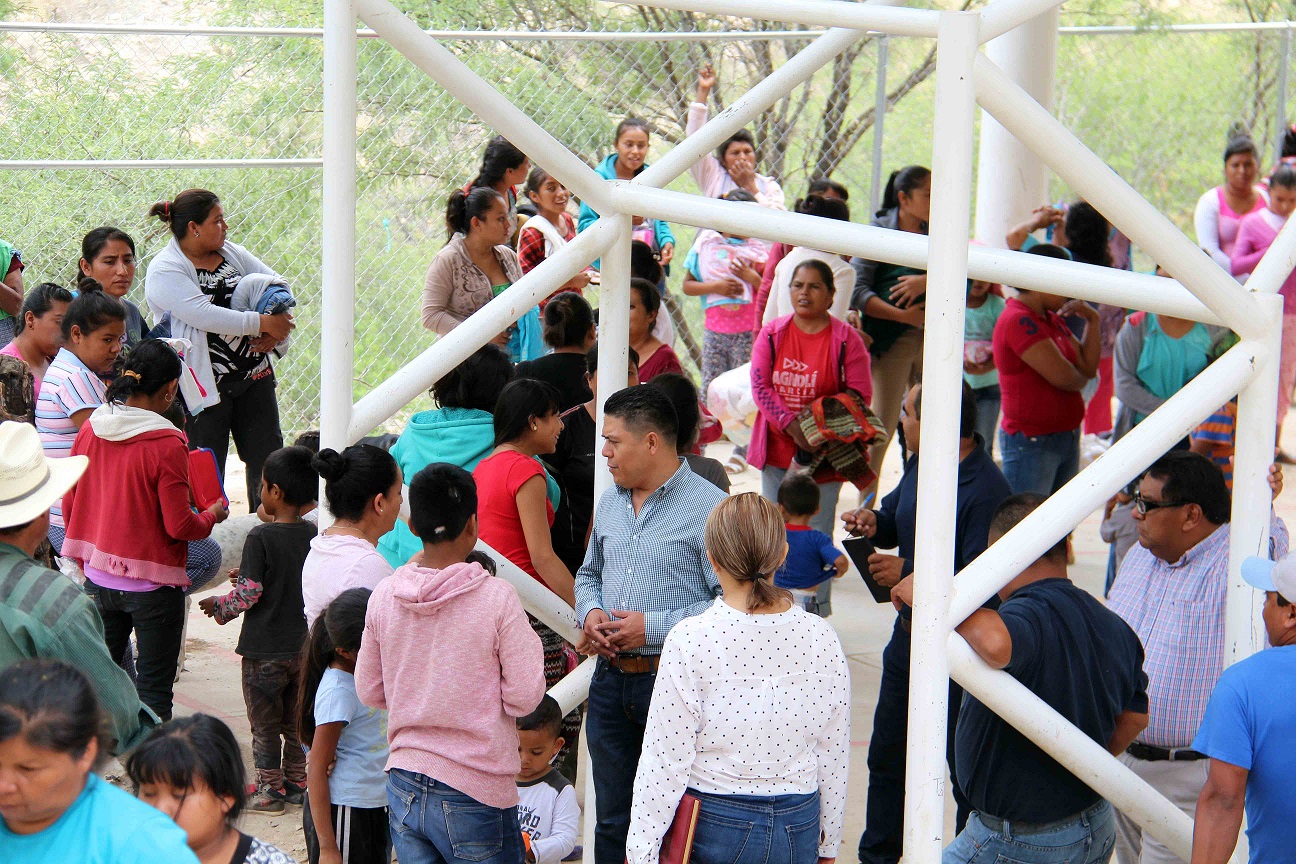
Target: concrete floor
(210,682)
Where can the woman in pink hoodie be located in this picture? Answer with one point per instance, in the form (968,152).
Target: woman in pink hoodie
(448,653)
(129,520)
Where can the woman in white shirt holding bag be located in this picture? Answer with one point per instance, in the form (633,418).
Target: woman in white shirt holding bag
(750,713)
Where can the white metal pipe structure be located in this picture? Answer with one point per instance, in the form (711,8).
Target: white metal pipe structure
(749,106)
(337,318)
(548,607)
(898,21)
(1252,455)
(879,118)
(1091,488)
(1011,179)
(450,35)
(453,348)
(572,691)
(1077,752)
(485,101)
(947,271)
(1114,198)
(614,336)
(1002,16)
(1070,278)
(152,164)
(1276,264)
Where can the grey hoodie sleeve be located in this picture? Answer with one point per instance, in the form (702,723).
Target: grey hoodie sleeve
(865,270)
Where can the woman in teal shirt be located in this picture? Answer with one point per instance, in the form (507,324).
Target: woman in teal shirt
(53,808)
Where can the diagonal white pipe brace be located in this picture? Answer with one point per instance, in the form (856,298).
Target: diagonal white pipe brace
(1003,15)
(1276,264)
(550,609)
(1078,753)
(1089,490)
(895,20)
(469,88)
(573,689)
(1034,272)
(791,74)
(483,325)
(1098,184)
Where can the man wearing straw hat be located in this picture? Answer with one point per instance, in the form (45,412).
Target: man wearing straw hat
(42,612)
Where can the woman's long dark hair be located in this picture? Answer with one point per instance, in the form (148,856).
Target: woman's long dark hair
(150,366)
(340,625)
(906,180)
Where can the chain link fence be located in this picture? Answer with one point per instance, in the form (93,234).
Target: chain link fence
(1156,105)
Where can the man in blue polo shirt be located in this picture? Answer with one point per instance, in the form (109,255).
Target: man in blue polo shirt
(1086,664)
(1248,733)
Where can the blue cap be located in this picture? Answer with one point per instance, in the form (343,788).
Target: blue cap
(1268,575)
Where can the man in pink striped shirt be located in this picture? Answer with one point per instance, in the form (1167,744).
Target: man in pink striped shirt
(1170,590)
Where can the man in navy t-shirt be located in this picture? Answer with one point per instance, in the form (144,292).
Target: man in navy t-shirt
(1249,733)
(1086,664)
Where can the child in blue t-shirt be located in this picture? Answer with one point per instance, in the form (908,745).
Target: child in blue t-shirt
(346,810)
(812,558)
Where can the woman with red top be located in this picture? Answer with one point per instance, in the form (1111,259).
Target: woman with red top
(550,229)
(655,356)
(129,520)
(1042,369)
(515,510)
(796,360)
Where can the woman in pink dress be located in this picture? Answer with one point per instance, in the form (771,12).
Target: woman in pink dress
(1220,210)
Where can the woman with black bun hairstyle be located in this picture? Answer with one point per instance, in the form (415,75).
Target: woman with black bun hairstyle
(191,283)
(56,807)
(569,331)
(362,488)
(129,522)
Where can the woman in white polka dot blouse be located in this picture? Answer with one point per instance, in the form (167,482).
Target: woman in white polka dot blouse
(750,713)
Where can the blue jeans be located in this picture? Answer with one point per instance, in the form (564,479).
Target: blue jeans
(987,401)
(753,829)
(1040,463)
(1086,838)
(432,823)
(825,520)
(157,617)
(616,717)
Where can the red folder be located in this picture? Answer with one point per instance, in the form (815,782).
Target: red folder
(205,479)
(677,845)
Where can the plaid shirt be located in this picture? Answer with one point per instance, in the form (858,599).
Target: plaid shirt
(1177,610)
(654,561)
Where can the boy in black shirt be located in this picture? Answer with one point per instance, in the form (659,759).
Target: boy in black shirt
(1083,661)
(269,590)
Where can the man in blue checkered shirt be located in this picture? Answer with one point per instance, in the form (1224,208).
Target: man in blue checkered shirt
(646,568)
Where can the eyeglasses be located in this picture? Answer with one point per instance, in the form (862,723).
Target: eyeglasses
(1144,506)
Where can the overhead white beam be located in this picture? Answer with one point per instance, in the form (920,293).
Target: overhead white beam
(896,20)
(489,104)
(1129,211)
(1004,15)
(453,348)
(1018,269)
(1089,490)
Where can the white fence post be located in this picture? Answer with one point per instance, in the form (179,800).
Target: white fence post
(956,49)
(613,337)
(337,330)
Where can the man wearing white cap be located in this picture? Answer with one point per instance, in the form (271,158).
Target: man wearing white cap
(42,612)
(1249,734)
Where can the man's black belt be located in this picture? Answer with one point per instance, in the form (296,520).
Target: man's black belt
(1148,753)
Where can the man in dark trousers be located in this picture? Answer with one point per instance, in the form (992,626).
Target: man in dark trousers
(981,488)
(1084,662)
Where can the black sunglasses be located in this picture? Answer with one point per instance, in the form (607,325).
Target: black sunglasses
(1144,506)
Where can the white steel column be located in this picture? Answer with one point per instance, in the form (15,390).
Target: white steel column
(952,131)
(1011,179)
(1253,454)
(613,340)
(337,330)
